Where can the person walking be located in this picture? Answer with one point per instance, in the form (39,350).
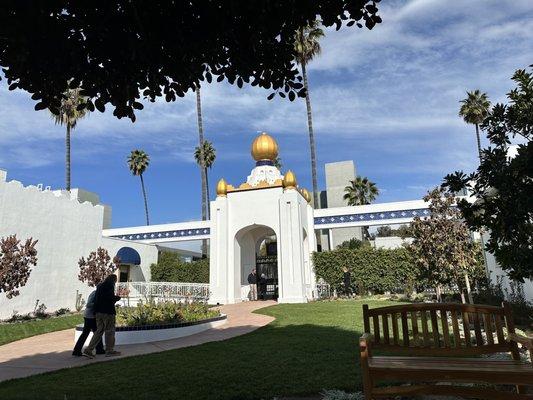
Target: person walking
(347,281)
(104,308)
(263,286)
(252,281)
(89,325)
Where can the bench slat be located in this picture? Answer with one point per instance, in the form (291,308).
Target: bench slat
(395,334)
(445,330)
(477,330)
(499,328)
(435,328)
(466,328)
(405,329)
(424,322)
(375,320)
(414,324)
(385,320)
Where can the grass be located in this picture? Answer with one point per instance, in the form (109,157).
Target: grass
(309,347)
(20,330)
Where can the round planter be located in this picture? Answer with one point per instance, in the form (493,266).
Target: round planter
(155,333)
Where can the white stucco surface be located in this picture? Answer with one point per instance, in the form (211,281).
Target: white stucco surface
(66,230)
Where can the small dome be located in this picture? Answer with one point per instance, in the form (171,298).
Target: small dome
(222,188)
(289,180)
(264,147)
(306,195)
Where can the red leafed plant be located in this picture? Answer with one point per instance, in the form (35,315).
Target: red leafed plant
(16,261)
(97,266)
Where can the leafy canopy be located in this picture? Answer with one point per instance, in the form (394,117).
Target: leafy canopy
(475,108)
(210,154)
(360,191)
(120,51)
(16,260)
(503,183)
(138,161)
(97,266)
(442,247)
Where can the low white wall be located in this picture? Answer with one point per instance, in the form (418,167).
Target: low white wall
(156,335)
(66,230)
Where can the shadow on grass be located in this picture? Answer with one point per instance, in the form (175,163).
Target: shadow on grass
(276,360)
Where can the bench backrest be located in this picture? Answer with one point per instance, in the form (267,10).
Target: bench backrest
(446,329)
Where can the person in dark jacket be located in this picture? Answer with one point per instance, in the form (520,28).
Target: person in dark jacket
(89,325)
(263,286)
(252,281)
(104,307)
(347,281)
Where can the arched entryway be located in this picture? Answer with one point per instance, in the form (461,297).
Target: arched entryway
(256,247)
(128,259)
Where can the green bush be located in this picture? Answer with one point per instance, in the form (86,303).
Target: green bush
(171,268)
(166,312)
(374,270)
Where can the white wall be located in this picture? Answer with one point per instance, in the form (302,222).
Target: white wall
(66,230)
(390,242)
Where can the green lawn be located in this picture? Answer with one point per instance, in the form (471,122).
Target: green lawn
(21,330)
(309,347)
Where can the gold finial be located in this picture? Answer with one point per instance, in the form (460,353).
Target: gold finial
(289,180)
(264,147)
(306,195)
(222,188)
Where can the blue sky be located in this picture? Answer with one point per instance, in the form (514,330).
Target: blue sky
(386,98)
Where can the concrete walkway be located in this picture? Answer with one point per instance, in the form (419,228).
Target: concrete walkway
(52,351)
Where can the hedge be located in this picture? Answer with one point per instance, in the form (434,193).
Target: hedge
(171,268)
(374,270)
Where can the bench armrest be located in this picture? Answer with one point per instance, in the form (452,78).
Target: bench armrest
(527,342)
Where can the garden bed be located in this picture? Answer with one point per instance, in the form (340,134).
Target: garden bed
(158,332)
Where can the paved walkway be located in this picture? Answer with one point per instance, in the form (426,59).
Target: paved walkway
(52,351)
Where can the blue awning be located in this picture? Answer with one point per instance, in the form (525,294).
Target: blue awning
(127,255)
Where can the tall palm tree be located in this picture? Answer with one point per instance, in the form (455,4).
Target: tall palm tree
(138,161)
(69,115)
(474,109)
(210,154)
(203,172)
(360,191)
(307,46)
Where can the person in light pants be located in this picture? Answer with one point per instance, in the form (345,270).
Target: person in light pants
(252,281)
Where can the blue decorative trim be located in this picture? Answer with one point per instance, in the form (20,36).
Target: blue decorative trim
(375,216)
(264,162)
(165,234)
(161,326)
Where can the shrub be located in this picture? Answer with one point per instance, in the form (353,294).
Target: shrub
(165,312)
(171,268)
(375,270)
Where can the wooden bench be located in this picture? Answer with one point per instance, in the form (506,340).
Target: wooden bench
(442,343)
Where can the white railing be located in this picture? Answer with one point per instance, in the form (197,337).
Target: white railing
(163,290)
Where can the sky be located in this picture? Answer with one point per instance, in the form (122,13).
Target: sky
(386,98)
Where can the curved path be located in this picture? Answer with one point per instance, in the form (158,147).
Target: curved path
(52,351)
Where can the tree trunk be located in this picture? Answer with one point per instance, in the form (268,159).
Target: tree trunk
(202,163)
(316,204)
(67,161)
(478,142)
(439,294)
(311,137)
(145,201)
(468,291)
(208,211)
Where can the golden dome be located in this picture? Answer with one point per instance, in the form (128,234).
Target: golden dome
(306,195)
(264,147)
(222,188)
(289,180)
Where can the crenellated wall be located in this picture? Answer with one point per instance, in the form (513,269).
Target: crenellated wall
(66,229)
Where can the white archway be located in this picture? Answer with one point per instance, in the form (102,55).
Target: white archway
(246,246)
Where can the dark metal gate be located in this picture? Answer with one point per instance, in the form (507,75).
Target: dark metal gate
(267,277)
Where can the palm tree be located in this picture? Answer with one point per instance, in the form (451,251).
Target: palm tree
(474,109)
(360,191)
(138,161)
(277,163)
(203,172)
(307,46)
(210,154)
(69,115)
